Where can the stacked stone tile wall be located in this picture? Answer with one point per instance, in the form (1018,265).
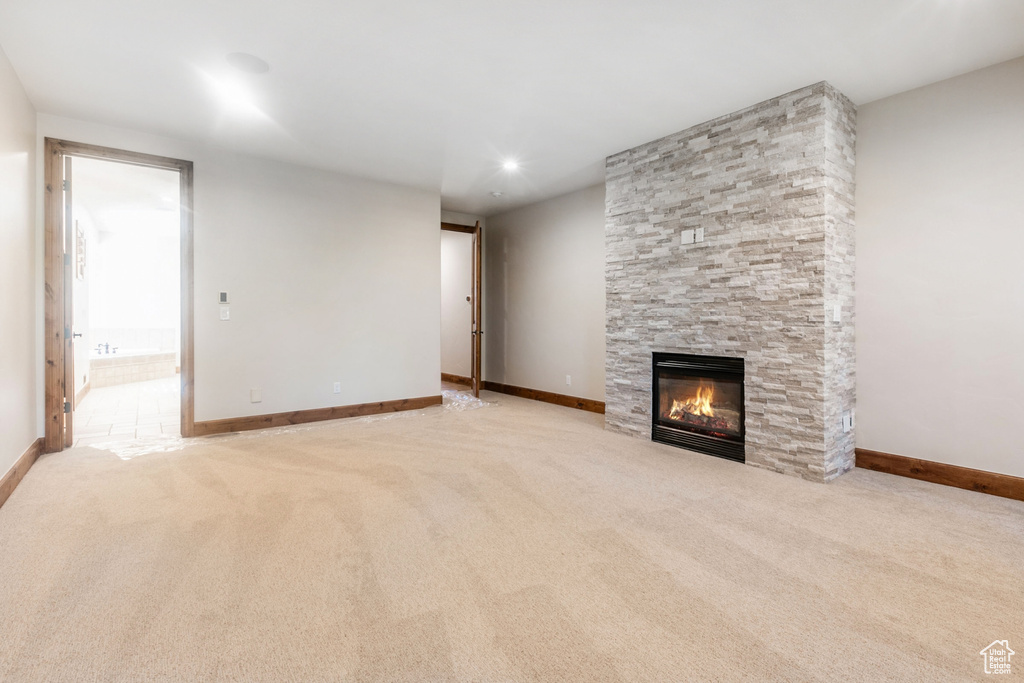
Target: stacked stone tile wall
(772,188)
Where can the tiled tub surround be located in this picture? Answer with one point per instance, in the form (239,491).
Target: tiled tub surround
(771,187)
(128,367)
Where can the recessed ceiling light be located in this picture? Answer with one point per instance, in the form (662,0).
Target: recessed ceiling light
(496,194)
(511,165)
(250,64)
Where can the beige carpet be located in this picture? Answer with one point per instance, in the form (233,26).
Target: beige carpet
(514,542)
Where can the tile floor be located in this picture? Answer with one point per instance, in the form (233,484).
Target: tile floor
(128,411)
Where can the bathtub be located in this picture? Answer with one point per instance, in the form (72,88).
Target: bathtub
(130,365)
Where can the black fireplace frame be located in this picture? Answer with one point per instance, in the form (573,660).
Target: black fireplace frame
(712,367)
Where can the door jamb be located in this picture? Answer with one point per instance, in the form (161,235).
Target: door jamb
(53,264)
(477,292)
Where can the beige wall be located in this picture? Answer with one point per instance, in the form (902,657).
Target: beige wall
(544,291)
(461,218)
(331,278)
(940,271)
(456,312)
(18,404)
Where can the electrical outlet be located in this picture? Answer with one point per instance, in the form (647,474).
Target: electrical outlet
(225,313)
(255,395)
(568,380)
(337,387)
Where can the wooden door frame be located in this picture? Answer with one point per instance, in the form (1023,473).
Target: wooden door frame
(55,346)
(477,293)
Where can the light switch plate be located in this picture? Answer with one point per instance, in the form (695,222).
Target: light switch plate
(337,387)
(699,235)
(686,236)
(837,313)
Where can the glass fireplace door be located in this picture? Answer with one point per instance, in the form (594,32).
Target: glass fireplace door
(698,403)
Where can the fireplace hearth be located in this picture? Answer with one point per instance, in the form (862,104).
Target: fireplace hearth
(698,403)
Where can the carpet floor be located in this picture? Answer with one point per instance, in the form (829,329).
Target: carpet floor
(516,541)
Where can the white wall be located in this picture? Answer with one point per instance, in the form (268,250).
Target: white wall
(544,289)
(940,271)
(331,278)
(456,312)
(136,274)
(18,404)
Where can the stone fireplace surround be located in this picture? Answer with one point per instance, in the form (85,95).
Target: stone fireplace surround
(771,188)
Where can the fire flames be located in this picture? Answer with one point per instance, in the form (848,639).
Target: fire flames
(699,404)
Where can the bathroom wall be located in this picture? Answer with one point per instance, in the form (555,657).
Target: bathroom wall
(136,275)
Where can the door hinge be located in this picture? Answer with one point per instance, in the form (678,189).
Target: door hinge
(67,406)
(66,185)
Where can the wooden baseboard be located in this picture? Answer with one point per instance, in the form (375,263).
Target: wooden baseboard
(992,483)
(81,394)
(241,424)
(547,397)
(456,379)
(19,469)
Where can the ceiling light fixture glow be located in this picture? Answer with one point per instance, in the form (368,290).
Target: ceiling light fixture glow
(496,194)
(511,165)
(234,96)
(250,64)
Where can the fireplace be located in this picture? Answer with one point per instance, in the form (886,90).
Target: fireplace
(698,403)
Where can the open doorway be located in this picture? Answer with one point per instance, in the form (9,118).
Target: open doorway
(118,295)
(461,333)
(126,312)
